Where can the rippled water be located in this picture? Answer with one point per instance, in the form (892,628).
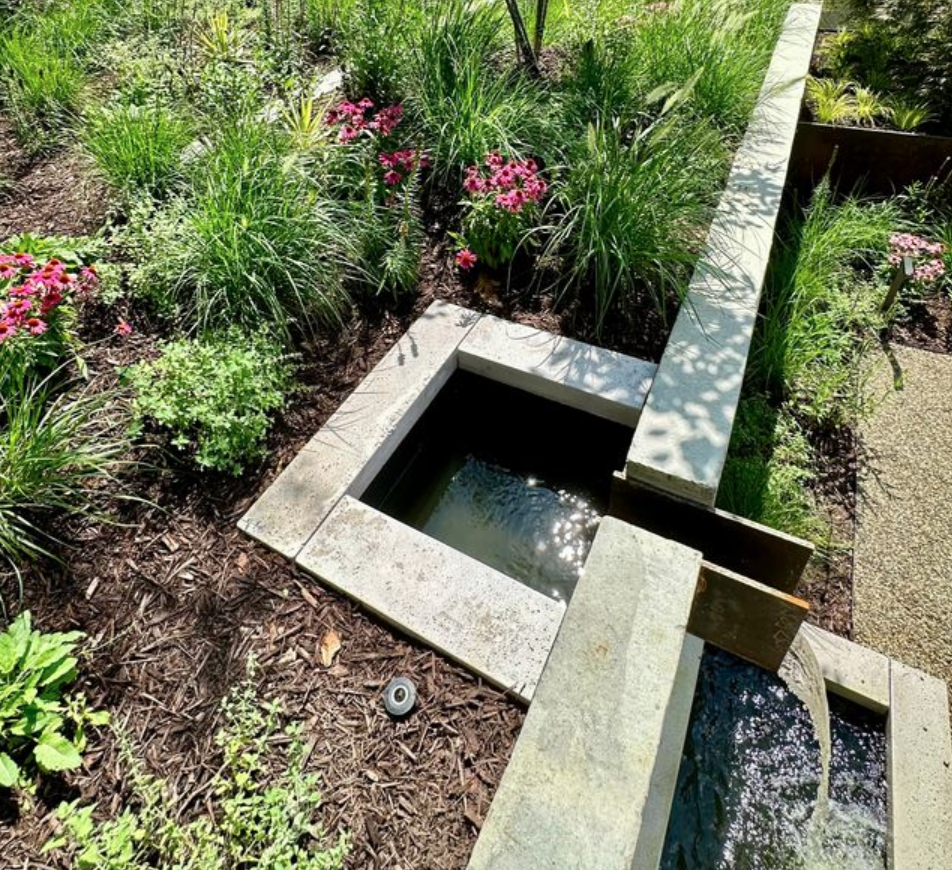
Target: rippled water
(751,771)
(517,523)
(513,480)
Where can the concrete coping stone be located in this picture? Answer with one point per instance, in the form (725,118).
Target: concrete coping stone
(347,453)
(589,782)
(488,622)
(920,771)
(681,441)
(354,444)
(589,378)
(854,672)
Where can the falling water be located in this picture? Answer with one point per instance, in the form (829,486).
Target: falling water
(776,776)
(802,673)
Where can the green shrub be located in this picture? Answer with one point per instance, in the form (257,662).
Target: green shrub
(215,396)
(137,147)
(631,216)
(821,306)
(263,808)
(60,444)
(257,244)
(769,469)
(41,728)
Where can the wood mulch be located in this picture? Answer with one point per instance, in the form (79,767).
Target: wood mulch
(926,325)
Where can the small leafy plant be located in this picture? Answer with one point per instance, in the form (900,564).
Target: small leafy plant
(502,206)
(214,395)
(40,727)
(262,820)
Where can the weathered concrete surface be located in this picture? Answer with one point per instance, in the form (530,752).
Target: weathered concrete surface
(589,378)
(492,624)
(682,438)
(577,794)
(920,771)
(903,551)
(854,672)
(353,445)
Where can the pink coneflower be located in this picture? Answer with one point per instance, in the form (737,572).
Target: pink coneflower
(466,259)
(35,325)
(392,177)
(123,328)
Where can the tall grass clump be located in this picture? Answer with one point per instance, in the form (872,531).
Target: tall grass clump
(58,449)
(821,306)
(43,51)
(464,101)
(138,148)
(256,244)
(769,469)
(630,215)
(373,46)
(722,47)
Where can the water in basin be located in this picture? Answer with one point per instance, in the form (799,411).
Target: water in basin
(513,480)
(751,774)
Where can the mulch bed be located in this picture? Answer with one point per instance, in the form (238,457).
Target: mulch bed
(926,325)
(174,599)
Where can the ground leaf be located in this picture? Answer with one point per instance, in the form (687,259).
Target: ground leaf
(9,772)
(330,646)
(55,752)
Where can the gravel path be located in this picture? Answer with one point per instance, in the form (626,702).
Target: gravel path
(903,568)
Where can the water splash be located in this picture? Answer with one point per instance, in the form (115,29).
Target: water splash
(803,675)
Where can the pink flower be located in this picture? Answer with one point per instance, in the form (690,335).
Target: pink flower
(392,177)
(8,329)
(123,328)
(35,325)
(347,133)
(388,160)
(466,259)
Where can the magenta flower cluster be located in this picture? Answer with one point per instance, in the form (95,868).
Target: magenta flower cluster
(925,254)
(356,118)
(35,293)
(513,183)
(399,164)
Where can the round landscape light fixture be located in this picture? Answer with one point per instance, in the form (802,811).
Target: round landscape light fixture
(400,696)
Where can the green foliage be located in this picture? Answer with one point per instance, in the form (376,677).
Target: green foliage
(43,55)
(390,242)
(262,819)
(40,88)
(59,445)
(769,469)
(215,396)
(821,307)
(830,101)
(723,48)
(466,106)
(909,116)
(137,147)
(631,215)
(256,244)
(40,727)
(373,47)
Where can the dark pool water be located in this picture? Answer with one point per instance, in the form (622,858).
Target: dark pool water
(512,480)
(749,775)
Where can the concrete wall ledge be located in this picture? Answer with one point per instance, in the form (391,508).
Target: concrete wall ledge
(590,781)
(682,438)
